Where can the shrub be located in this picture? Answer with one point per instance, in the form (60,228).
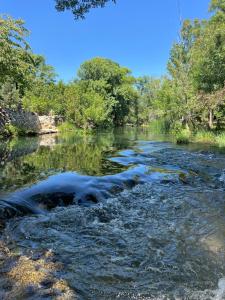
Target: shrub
(13,130)
(183,137)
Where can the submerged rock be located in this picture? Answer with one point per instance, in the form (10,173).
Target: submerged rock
(10,209)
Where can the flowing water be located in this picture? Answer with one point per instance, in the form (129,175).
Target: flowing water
(123,214)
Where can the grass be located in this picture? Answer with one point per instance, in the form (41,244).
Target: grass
(184,136)
(66,126)
(220,139)
(209,137)
(206,137)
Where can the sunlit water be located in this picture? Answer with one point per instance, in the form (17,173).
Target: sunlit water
(126,214)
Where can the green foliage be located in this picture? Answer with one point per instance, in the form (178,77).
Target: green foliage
(193,94)
(103,69)
(66,126)
(14,131)
(86,109)
(217,5)
(43,72)
(9,95)
(183,137)
(204,137)
(43,94)
(45,97)
(148,89)
(16,63)
(208,57)
(159,126)
(23,73)
(102,96)
(220,140)
(80,7)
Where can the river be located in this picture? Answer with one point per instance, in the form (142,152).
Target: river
(120,214)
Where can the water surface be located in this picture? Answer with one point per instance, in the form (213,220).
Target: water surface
(125,214)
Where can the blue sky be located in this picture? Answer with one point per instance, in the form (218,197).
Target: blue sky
(136,33)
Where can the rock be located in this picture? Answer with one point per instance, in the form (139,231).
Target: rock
(47,283)
(28,122)
(184,178)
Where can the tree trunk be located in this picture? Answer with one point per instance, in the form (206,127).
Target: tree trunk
(136,112)
(210,119)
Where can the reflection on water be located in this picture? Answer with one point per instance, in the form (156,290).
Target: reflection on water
(27,160)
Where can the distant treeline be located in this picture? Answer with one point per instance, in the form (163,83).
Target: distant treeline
(191,95)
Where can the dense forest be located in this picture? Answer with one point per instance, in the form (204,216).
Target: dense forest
(191,96)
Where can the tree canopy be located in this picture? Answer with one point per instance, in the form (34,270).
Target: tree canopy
(102,95)
(80,7)
(192,94)
(105,92)
(16,60)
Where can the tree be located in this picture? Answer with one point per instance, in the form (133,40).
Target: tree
(217,5)
(16,63)
(180,68)
(80,7)
(9,95)
(45,97)
(43,94)
(213,105)
(22,73)
(208,61)
(85,108)
(208,58)
(113,82)
(148,88)
(42,71)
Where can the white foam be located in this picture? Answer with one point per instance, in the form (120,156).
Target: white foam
(222,177)
(220,293)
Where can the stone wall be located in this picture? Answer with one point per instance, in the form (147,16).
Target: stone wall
(28,122)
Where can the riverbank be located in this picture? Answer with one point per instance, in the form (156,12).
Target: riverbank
(21,123)
(26,277)
(179,135)
(202,137)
